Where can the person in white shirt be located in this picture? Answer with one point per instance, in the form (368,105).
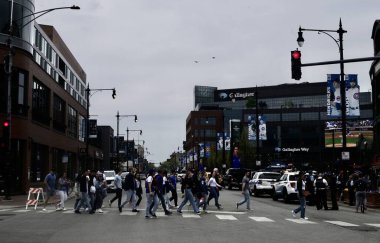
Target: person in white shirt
(214,189)
(118,190)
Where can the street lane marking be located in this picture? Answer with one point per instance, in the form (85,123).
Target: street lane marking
(128,213)
(261,219)
(227,212)
(225,217)
(161,214)
(375,225)
(188,215)
(301,221)
(5,210)
(341,223)
(47,211)
(22,211)
(68,211)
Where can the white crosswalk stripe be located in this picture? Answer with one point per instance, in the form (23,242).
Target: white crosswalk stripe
(188,215)
(47,211)
(5,210)
(225,217)
(341,223)
(161,214)
(301,221)
(68,212)
(375,225)
(22,211)
(227,212)
(128,213)
(261,219)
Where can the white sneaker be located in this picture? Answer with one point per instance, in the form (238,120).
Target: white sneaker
(306,218)
(100,211)
(293,213)
(44,209)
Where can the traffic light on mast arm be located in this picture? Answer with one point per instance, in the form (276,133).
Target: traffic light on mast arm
(296,64)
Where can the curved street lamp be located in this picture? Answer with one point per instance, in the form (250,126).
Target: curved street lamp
(339,42)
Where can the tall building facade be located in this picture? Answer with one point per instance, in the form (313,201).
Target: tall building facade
(295,116)
(48,99)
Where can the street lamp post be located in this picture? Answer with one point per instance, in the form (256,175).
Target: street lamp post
(339,42)
(133,163)
(193,152)
(117,135)
(88,95)
(8,63)
(204,144)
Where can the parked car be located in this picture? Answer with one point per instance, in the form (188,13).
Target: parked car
(262,182)
(234,177)
(285,187)
(110,178)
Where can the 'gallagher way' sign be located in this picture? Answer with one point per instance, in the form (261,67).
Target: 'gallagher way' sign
(234,94)
(295,149)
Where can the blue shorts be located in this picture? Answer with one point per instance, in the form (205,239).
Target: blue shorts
(50,192)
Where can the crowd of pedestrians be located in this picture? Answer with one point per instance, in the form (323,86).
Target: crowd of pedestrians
(197,189)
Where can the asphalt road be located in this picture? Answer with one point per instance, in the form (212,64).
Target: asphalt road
(269,221)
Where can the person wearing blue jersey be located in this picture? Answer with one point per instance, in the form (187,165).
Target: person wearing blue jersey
(159,193)
(173,187)
(50,181)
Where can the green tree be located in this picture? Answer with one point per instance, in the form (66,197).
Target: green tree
(251,103)
(247,150)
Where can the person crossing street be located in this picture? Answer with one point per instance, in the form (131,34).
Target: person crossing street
(245,192)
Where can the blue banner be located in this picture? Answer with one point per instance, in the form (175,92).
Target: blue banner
(208,150)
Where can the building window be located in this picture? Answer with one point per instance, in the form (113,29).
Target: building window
(59,111)
(40,103)
(19,93)
(82,128)
(62,66)
(72,122)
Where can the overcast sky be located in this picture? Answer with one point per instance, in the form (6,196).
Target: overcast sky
(147,50)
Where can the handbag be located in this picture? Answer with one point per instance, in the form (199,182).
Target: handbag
(92,189)
(306,193)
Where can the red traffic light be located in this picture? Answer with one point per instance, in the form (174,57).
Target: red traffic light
(296,54)
(6,124)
